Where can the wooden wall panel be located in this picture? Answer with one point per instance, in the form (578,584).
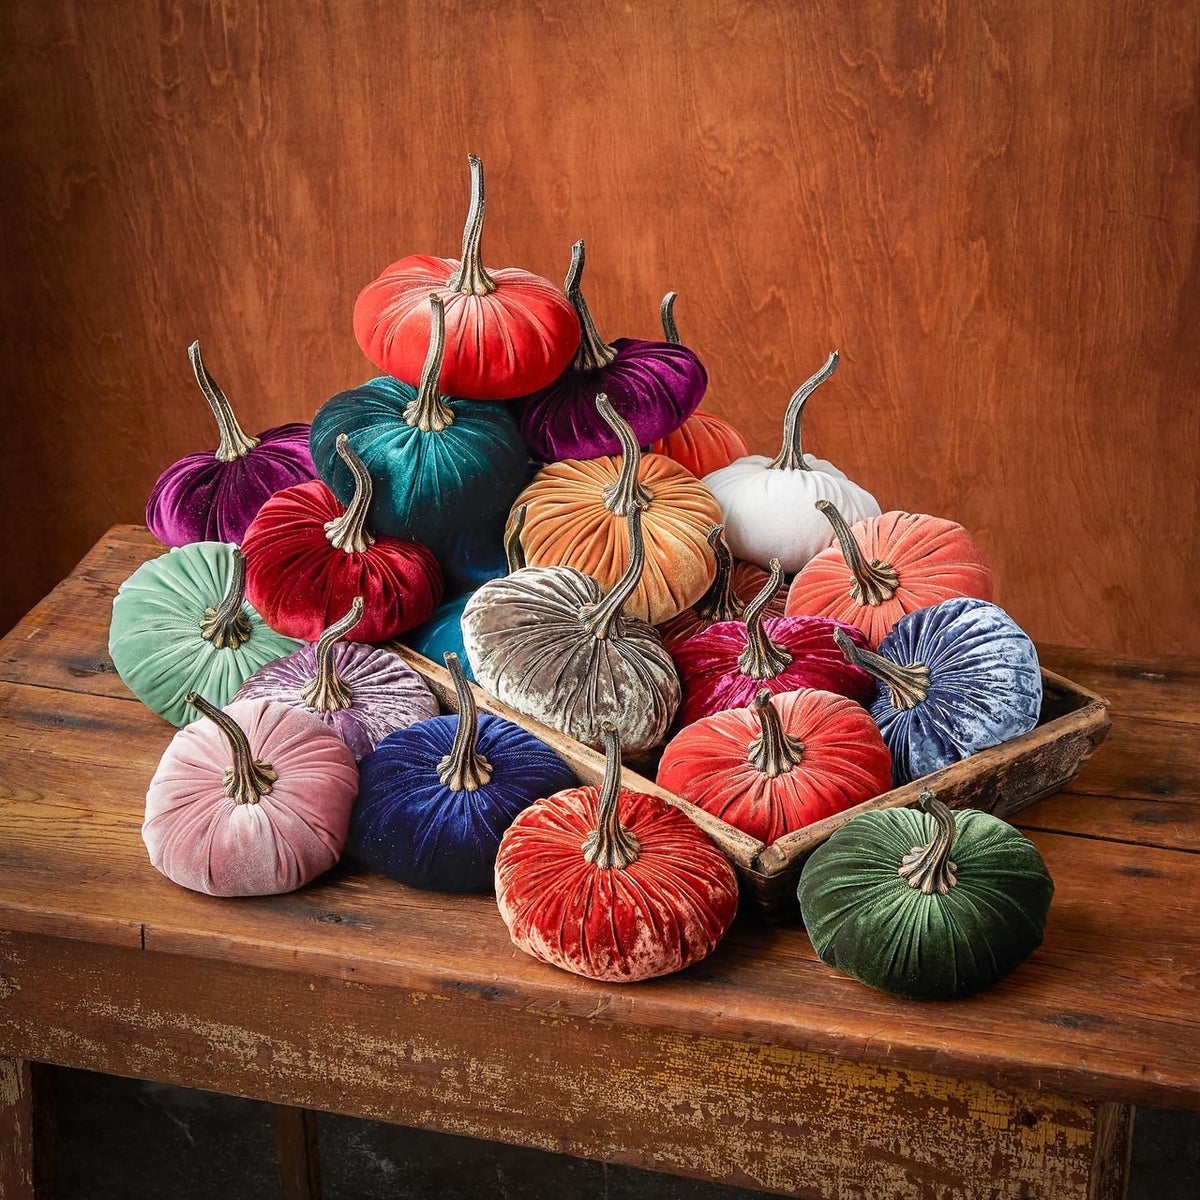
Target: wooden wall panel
(991,209)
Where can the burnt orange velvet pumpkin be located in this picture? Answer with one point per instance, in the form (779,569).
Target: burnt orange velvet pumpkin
(886,567)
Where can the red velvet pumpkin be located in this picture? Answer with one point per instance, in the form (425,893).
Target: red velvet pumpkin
(611,883)
(776,767)
(307,559)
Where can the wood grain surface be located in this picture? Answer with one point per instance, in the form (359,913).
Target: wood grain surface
(989,208)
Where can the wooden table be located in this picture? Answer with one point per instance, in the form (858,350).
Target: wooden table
(761,1067)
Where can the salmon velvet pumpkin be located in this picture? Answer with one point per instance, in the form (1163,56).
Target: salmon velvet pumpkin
(776,767)
(613,884)
(887,566)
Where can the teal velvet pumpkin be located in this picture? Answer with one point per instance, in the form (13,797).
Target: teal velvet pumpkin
(929,905)
(180,624)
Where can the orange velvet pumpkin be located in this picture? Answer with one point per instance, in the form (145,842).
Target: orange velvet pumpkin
(887,566)
(575,517)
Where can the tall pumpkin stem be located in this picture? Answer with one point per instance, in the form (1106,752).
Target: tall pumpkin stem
(611,845)
(248,778)
(601,619)
(775,751)
(909,685)
(429,412)
(349,531)
(471,279)
(791,455)
(594,352)
(327,691)
(514,552)
(720,602)
(226,625)
(667,313)
(627,492)
(234,442)
(929,868)
(464,769)
(874,581)
(763,658)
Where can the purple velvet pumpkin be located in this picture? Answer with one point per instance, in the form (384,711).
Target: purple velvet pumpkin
(212,496)
(655,386)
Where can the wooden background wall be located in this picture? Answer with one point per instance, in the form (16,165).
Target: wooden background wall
(991,209)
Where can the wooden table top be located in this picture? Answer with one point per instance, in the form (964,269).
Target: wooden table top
(1109,1007)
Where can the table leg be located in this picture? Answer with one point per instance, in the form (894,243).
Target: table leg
(296,1146)
(24,1131)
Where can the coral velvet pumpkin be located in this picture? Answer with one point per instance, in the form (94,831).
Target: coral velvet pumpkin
(508,332)
(307,558)
(776,767)
(254,801)
(213,495)
(611,883)
(887,566)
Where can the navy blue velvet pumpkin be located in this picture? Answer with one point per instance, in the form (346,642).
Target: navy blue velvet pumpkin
(953,679)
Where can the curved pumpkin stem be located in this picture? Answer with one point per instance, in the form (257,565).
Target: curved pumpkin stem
(627,492)
(720,602)
(775,751)
(791,455)
(327,691)
(514,552)
(594,352)
(234,442)
(429,412)
(611,845)
(349,531)
(929,868)
(226,625)
(248,778)
(909,686)
(874,581)
(464,769)
(667,313)
(763,658)
(471,279)
(600,618)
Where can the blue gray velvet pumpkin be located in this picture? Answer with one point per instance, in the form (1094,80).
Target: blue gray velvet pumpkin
(952,679)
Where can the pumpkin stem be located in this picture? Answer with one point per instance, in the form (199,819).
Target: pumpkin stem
(610,845)
(720,602)
(667,313)
(327,691)
(471,279)
(874,581)
(234,443)
(627,492)
(227,626)
(929,868)
(464,769)
(600,618)
(349,531)
(248,778)
(594,352)
(909,685)
(791,456)
(514,552)
(774,752)
(763,658)
(429,412)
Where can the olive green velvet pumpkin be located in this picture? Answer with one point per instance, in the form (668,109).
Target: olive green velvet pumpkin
(931,904)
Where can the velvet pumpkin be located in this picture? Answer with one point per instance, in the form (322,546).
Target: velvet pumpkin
(213,495)
(576,518)
(776,767)
(508,332)
(883,900)
(252,802)
(768,503)
(180,623)
(952,680)
(654,386)
(435,798)
(611,883)
(308,558)
(727,664)
(887,566)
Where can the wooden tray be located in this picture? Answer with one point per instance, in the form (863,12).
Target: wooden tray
(1002,780)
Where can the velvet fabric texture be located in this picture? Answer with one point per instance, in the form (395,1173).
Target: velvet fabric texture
(156,642)
(865,919)
(412,827)
(385,692)
(474,554)
(663,912)
(203,840)
(442,634)
(747,581)
(843,761)
(703,443)
(302,583)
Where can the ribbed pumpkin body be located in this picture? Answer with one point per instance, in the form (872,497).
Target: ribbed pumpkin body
(442,634)
(748,580)
(703,443)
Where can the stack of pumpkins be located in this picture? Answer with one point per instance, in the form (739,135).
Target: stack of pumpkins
(618,594)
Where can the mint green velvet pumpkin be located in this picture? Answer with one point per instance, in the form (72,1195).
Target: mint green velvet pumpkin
(929,905)
(181,624)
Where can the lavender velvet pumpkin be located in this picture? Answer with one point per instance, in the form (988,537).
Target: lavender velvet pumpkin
(214,495)
(655,386)
(952,679)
